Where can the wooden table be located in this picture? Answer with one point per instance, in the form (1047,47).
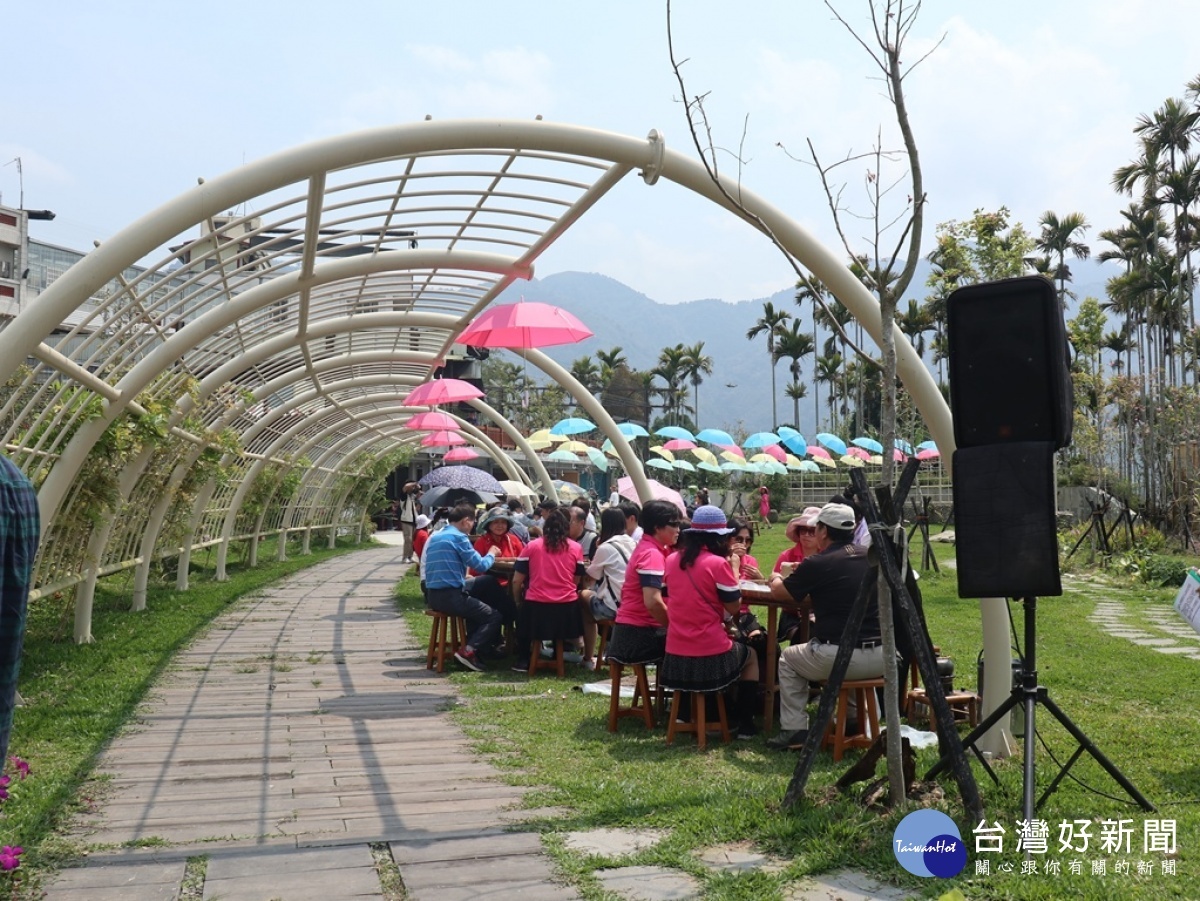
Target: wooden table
(761,597)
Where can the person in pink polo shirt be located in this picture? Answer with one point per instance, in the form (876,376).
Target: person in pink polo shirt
(546,579)
(639,633)
(703,597)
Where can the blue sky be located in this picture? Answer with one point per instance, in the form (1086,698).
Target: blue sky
(116,108)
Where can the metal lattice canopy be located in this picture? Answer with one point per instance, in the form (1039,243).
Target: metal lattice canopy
(248,378)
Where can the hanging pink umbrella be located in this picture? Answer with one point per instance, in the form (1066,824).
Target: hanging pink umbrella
(898,455)
(814,451)
(442,391)
(443,439)
(432,421)
(776,451)
(679,444)
(733,449)
(931,453)
(460,453)
(861,453)
(517,325)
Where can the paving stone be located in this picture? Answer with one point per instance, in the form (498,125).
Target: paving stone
(740,858)
(649,883)
(108,881)
(844,885)
(613,842)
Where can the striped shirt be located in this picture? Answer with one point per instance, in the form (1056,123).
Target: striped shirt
(447,555)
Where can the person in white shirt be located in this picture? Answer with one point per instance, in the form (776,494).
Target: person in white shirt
(601,593)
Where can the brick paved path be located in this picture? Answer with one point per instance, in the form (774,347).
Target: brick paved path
(302,730)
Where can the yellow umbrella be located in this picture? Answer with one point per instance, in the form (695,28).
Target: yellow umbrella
(791,460)
(853,461)
(827,462)
(732,457)
(875,460)
(540,439)
(663,452)
(763,458)
(704,455)
(575,447)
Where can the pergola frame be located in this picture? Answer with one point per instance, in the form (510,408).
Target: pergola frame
(365,256)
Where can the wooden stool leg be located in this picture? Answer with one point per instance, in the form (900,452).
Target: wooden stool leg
(614,704)
(723,720)
(535,653)
(699,712)
(642,689)
(431,656)
(673,716)
(560,664)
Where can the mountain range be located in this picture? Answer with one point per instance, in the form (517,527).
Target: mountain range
(738,393)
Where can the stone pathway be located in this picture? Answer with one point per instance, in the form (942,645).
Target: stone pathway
(290,746)
(1159,628)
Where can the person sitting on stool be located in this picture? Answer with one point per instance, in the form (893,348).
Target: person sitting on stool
(831,578)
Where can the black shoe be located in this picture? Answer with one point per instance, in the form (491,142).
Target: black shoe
(521,666)
(747,729)
(793,742)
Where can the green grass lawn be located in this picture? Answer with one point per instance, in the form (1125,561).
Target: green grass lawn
(1139,706)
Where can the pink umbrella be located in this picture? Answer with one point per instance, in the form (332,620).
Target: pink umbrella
(442,391)
(898,455)
(776,451)
(524,325)
(814,451)
(432,421)
(931,453)
(861,453)
(733,449)
(460,453)
(443,439)
(679,444)
(660,491)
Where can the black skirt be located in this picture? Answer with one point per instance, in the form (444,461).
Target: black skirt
(539,621)
(712,673)
(631,645)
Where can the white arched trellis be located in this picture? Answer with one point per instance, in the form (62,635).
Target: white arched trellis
(375,248)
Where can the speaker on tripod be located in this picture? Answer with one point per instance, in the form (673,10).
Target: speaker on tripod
(1012,400)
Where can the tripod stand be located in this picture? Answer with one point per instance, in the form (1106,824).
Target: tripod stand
(1028,695)
(1099,511)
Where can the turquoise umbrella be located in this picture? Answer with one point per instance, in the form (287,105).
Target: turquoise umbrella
(598,459)
(658,463)
(632,430)
(762,439)
(674,431)
(708,467)
(685,465)
(562,456)
(571,427)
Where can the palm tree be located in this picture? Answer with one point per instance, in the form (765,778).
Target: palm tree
(915,322)
(770,322)
(587,373)
(672,369)
(696,365)
(610,360)
(1060,237)
(795,345)
(829,370)
(797,391)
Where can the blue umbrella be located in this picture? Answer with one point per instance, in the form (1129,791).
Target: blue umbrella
(571,427)
(833,442)
(794,442)
(902,445)
(461,477)
(762,439)
(632,430)
(715,436)
(597,458)
(926,445)
(674,431)
(868,444)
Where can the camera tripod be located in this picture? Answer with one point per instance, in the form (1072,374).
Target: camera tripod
(1028,695)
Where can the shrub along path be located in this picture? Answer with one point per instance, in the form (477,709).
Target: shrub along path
(300,750)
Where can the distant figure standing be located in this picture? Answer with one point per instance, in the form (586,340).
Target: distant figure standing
(20,525)
(764,506)
(409,509)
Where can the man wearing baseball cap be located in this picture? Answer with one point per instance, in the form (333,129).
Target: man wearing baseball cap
(831,578)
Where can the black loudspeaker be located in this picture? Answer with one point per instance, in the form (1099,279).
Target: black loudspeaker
(1009,370)
(1006,537)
